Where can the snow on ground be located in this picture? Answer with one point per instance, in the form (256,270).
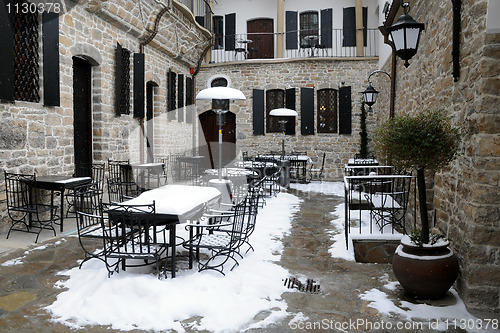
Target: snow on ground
(131,300)
(437,318)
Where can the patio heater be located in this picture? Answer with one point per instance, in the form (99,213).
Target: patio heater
(219,93)
(282,114)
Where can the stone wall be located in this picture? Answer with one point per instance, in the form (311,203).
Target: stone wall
(35,138)
(284,74)
(466,194)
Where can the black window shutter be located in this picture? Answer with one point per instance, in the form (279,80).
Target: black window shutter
(230,31)
(326,27)
(349,26)
(258,112)
(6,53)
(118,78)
(51,94)
(171,96)
(180,97)
(307,110)
(290,104)
(139,85)
(365,24)
(189,100)
(291,30)
(345,110)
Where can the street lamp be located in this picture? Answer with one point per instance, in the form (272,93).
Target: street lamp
(370,94)
(220,93)
(405,34)
(282,113)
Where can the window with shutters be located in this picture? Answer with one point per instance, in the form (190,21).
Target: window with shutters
(26,57)
(349,26)
(309,28)
(327,111)
(275,99)
(218,32)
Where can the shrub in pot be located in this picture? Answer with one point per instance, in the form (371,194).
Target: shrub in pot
(425,141)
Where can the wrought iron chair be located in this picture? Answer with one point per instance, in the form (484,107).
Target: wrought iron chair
(96,172)
(298,170)
(317,173)
(121,172)
(89,220)
(221,234)
(388,199)
(29,208)
(133,234)
(165,162)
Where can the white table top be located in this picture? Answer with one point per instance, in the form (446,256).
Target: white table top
(182,200)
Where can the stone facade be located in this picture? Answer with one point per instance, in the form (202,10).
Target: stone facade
(284,74)
(36,138)
(466,194)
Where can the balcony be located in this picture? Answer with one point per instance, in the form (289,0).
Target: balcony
(298,44)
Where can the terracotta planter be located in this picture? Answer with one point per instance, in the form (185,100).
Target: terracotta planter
(425,272)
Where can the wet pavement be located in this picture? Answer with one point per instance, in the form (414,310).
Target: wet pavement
(25,289)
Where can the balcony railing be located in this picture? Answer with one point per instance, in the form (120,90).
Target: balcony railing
(299,44)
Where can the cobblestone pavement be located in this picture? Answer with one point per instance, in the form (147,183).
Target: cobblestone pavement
(26,288)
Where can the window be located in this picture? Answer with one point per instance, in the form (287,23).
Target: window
(327,111)
(219,104)
(218,32)
(309,28)
(275,99)
(26,83)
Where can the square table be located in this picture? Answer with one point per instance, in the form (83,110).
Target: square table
(59,184)
(176,204)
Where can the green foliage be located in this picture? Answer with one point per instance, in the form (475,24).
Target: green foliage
(426,140)
(416,237)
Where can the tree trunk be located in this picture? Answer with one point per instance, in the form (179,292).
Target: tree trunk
(422,198)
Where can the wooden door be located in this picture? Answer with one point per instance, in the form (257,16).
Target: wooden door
(261,33)
(82,116)
(208,121)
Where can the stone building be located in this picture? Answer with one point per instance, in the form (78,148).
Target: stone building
(117,79)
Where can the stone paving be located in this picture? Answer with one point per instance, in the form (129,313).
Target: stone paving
(26,288)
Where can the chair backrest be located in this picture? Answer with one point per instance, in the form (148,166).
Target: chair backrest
(115,190)
(87,199)
(88,208)
(115,168)
(238,225)
(17,190)
(97,174)
(139,219)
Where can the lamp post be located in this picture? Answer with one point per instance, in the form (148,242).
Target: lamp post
(281,113)
(405,34)
(370,94)
(220,93)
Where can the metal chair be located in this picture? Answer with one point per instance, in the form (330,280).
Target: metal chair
(96,172)
(221,234)
(133,234)
(317,173)
(388,199)
(298,170)
(89,219)
(29,208)
(121,172)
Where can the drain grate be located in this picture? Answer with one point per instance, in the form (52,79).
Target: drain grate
(309,286)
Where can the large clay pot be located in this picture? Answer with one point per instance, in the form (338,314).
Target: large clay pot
(425,272)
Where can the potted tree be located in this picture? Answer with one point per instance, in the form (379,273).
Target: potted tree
(424,264)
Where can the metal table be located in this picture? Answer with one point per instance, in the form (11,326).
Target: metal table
(59,184)
(176,204)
